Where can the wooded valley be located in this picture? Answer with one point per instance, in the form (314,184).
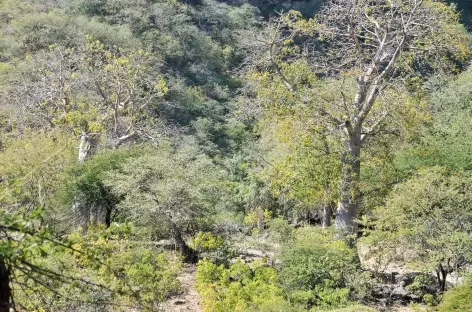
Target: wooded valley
(235,155)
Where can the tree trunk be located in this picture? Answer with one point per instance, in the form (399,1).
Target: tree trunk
(5,290)
(327,209)
(348,205)
(185,250)
(84,147)
(441,274)
(108,216)
(82,217)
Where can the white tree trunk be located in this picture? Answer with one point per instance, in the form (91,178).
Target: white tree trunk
(84,147)
(80,214)
(348,205)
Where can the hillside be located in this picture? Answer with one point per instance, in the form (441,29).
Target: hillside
(250,155)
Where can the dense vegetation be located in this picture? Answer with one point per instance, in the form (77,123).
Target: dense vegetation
(331,141)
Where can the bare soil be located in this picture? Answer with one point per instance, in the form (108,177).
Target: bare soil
(188,299)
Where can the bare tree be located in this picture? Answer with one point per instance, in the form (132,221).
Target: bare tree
(368,48)
(92,92)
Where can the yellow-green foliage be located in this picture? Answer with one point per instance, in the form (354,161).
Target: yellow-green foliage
(240,288)
(206,241)
(29,166)
(458,299)
(103,266)
(430,213)
(251,219)
(319,270)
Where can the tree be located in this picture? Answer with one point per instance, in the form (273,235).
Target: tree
(91,91)
(369,50)
(446,140)
(301,162)
(430,214)
(168,192)
(85,183)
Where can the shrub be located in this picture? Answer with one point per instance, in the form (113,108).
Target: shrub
(280,230)
(318,270)
(458,299)
(241,287)
(103,269)
(212,247)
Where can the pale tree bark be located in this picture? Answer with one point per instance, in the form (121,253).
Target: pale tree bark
(83,212)
(348,205)
(85,144)
(79,212)
(364,41)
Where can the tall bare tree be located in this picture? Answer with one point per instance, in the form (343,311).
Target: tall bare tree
(369,48)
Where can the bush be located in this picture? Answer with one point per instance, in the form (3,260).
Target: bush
(241,287)
(212,247)
(318,270)
(458,299)
(101,270)
(280,230)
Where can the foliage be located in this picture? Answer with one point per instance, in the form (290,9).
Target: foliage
(166,190)
(30,168)
(303,161)
(445,142)
(431,214)
(139,274)
(101,268)
(198,119)
(90,89)
(86,181)
(280,230)
(318,270)
(457,299)
(212,247)
(207,241)
(241,287)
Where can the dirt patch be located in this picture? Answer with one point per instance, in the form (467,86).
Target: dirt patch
(188,298)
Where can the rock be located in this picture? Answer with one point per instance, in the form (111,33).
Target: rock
(400,292)
(382,291)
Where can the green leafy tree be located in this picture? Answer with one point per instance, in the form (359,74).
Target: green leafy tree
(445,139)
(429,214)
(301,162)
(169,192)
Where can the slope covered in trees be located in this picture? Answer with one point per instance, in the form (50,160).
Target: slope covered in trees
(304,155)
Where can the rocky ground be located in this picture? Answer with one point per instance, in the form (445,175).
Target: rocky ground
(392,293)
